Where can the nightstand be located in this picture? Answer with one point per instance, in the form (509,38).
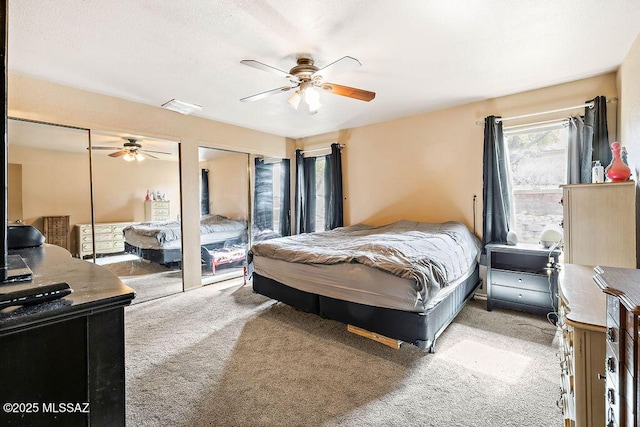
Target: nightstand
(518,278)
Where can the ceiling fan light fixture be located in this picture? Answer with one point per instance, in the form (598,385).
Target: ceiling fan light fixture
(129,157)
(312,99)
(181,107)
(294,100)
(139,157)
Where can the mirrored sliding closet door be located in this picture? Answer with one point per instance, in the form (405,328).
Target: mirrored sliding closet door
(137,230)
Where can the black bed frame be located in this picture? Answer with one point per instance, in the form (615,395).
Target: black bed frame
(418,328)
(174,256)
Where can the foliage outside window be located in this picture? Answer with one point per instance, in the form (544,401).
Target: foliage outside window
(538,160)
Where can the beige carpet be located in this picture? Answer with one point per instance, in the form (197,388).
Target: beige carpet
(136,267)
(232,358)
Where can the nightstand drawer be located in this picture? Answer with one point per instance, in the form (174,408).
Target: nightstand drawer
(521,296)
(521,280)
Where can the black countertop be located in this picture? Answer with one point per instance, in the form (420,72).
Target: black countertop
(94,289)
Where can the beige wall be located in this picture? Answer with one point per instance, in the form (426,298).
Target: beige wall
(229,185)
(629,87)
(48,102)
(120,187)
(428,167)
(53,183)
(629,82)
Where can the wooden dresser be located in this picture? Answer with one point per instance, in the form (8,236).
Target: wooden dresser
(582,319)
(598,220)
(622,286)
(56,231)
(109,238)
(157,210)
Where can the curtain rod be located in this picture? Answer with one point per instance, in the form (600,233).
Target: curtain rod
(588,104)
(524,116)
(536,124)
(320,149)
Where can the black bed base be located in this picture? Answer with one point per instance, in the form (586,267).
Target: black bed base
(420,329)
(174,256)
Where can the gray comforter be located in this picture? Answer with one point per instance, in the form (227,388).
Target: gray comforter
(168,231)
(430,253)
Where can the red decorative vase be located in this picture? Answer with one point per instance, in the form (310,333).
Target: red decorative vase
(617,170)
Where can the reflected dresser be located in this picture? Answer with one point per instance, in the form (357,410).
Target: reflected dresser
(109,238)
(157,210)
(56,230)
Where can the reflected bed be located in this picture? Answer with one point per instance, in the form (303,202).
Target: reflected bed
(161,241)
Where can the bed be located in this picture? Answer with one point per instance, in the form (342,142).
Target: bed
(405,281)
(161,241)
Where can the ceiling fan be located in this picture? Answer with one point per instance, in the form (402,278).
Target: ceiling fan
(131,150)
(308,82)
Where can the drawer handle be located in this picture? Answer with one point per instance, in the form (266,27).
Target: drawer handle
(611,364)
(602,377)
(611,397)
(610,418)
(611,335)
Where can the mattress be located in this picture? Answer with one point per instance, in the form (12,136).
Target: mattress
(405,265)
(167,234)
(356,283)
(150,242)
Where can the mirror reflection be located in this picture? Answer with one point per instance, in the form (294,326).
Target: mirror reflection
(224,214)
(136,190)
(135,183)
(48,179)
(271,198)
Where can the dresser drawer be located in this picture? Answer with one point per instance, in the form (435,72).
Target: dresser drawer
(629,352)
(104,229)
(613,308)
(516,279)
(613,403)
(521,296)
(103,237)
(161,211)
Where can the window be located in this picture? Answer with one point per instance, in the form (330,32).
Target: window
(538,159)
(276,196)
(320,189)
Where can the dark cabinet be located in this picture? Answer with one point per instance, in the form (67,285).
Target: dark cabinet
(522,277)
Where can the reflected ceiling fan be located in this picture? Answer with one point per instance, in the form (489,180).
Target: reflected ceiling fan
(131,150)
(307,81)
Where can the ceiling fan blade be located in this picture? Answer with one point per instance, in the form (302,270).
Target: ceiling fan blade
(268,68)
(104,148)
(350,92)
(153,151)
(342,65)
(118,153)
(268,93)
(146,153)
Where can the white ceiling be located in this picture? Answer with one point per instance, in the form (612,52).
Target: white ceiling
(417,55)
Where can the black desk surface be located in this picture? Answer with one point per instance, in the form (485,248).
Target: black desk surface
(94,289)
